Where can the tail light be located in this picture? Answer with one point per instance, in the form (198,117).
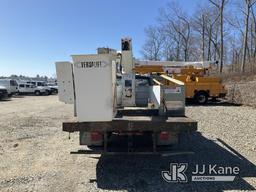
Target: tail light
(164,135)
(96,136)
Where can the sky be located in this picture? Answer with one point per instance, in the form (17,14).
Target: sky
(34,34)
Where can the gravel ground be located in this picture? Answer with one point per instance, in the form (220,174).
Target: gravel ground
(35,153)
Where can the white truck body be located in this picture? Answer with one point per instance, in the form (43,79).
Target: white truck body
(95,87)
(10,84)
(66,90)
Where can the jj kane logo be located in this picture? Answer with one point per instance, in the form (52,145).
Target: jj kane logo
(177,173)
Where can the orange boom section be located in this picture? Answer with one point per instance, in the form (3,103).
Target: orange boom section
(143,69)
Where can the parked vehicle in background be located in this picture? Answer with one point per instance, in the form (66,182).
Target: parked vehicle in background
(26,88)
(3,93)
(11,86)
(53,87)
(200,85)
(41,85)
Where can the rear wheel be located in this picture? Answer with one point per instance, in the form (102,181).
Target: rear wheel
(201,97)
(37,93)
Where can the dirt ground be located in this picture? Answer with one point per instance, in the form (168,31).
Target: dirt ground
(35,153)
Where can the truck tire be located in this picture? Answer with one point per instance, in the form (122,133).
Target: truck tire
(201,97)
(37,93)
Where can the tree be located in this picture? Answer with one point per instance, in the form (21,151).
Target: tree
(248,5)
(220,5)
(215,31)
(212,30)
(253,29)
(184,34)
(152,48)
(176,26)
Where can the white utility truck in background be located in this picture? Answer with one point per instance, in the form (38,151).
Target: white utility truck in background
(112,103)
(11,85)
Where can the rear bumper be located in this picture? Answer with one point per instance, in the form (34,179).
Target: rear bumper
(164,152)
(135,123)
(131,127)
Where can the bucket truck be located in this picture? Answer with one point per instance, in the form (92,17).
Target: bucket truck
(200,86)
(112,102)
